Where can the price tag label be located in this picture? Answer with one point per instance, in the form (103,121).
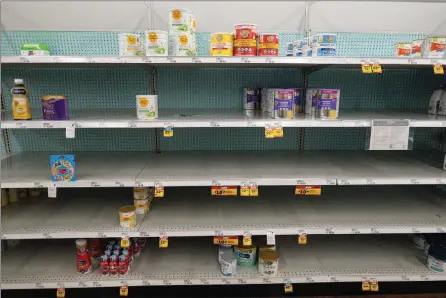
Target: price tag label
(253,190)
(376,68)
(305,190)
(226,240)
(164,241)
(221,60)
(374,287)
(224,190)
(269,132)
(247,239)
(70,132)
(52,191)
(365,286)
(270,238)
(302,238)
(366,68)
(438,69)
(124,291)
(168,132)
(60,293)
(125,242)
(288,287)
(159,191)
(278,131)
(244,190)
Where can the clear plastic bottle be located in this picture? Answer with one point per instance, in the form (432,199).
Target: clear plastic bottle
(20,101)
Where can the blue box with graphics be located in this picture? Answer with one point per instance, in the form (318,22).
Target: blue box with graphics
(63,168)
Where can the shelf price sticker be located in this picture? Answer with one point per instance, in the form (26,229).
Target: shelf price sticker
(269,132)
(270,238)
(224,190)
(365,286)
(125,242)
(306,190)
(164,241)
(159,191)
(226,240)
(244,190)
(302,238)
(374,287)
(52,191)
(253,189)
(278,130)
(124,291)
(247,239)
(366,68)
(376,68)
(60,293)
(288,287)
(168,131)
(438,69)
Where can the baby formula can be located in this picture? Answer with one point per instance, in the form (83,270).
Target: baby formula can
(289,49)
(127,216)
(129,44)
(436,258)
(140,193)
(156,43)
(434,47)
(222,249)
(297,100)
(297,48)
(327,105)
(4,199)
(245,40)
(147,107)
(182,44)
(268,262)
(402,49)
(246,255)
(250,98)
(283,104)
(221,44)
(13,195)
(54,107)
(180,20)
(434,102)
(141,206)
(324,40)
(228,263)
(323,51)
(417,48)
(268,44)
(442,105)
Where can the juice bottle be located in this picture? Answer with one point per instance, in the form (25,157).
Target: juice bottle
(20,101)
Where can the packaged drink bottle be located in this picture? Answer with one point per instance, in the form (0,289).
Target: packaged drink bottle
(21,109)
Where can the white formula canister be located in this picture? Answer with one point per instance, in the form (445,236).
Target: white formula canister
(156,43)
(182,44)
(180,20)
(129,44)
(127,216)
(146,107)
(141,206)
(402,49)
(433,47)
(323,40)
(140,193)
(250,98)
(417,48)
(434,102)
(268,263)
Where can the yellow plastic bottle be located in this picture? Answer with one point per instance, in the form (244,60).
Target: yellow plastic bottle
(20,101)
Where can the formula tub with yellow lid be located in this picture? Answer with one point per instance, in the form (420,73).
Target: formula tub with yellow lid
(127,216)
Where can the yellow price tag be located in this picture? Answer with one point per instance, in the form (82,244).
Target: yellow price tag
(226,240)
(374,287)
(224,190)
(253,190)
(159,191)
(304,190)
(168,132)
(288,287)
(164,242)
(376,68)
(247,240)
(365,286)
(302,239)
(366,68)
(278,132)
(438,69)
(60,293)
(269,133)
(125,242)
(124,291)
(244,191)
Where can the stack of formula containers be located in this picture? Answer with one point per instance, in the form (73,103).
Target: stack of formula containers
(322,103)
(319,45)
(182,38)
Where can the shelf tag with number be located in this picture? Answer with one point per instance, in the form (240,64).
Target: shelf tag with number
(244,190)
(374,287)
(288,286)
(168,131)
(253,189)
(226,240)
(224,190)
(52,191)
(159,191)
(270,238)
(376,68)
(365,286)
(125,242)
(278,130)
(366,68)
(70,131)
(124,291)
(438,69)
(306,190)
(60,293)
(247,239)
(302,238)
(164,241)
(269,132)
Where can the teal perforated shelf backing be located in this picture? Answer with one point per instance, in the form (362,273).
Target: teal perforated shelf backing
(209,88)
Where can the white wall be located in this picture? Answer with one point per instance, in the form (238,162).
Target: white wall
(214,16)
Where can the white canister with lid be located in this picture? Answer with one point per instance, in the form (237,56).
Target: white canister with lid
(156,42)
(147,107)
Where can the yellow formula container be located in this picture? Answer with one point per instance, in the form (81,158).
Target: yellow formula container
(221,44)
(127,217)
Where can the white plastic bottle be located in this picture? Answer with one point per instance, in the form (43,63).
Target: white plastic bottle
(434,102)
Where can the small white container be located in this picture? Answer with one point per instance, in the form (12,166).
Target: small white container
(268,263)
(417,48)
(180,20)
(182,44)
(434,46)
(402,49)
(156,43)
(127,217)
(129,44)
(147,107)
(140,193)
(141,206)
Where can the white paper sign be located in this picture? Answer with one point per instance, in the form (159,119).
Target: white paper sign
(389,135)
(52,192)
(270,238)
(70,132)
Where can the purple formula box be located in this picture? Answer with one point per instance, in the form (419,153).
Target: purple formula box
(54,107)
(284,103)
(327,103)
